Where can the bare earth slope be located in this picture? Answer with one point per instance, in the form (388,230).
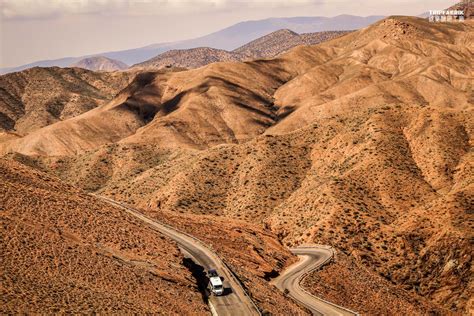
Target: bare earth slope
(121,117)
(100,63)
(66,252)
(363,142)
(383,172)
(358,288)
(192,109)
(38,97)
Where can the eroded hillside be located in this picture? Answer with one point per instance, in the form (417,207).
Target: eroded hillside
(37,97)
(66,251)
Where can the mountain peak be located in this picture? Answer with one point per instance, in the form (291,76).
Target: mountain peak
(100,63)
(284,31)
(282,40)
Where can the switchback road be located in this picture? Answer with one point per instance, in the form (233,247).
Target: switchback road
(311,258)
(237,302)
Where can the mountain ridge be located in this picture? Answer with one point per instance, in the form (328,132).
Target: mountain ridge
(267,46)
(228,38)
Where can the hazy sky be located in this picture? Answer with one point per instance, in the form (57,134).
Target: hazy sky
(32,30)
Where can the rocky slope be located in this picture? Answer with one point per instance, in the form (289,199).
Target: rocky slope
(359,289)
(38,97)
(363,142)
(100,63)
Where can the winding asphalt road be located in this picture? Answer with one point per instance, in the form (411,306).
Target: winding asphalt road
(234,303)
(311,258)
(237,302)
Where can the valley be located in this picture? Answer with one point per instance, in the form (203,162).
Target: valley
(362,142)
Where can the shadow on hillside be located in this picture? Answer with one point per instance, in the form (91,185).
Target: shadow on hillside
(200,276)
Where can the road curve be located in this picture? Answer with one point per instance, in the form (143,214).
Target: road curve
(234,303)
(311,258)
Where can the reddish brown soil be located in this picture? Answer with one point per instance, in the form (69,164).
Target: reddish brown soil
(66,252)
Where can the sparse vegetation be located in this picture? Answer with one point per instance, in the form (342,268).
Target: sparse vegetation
(362,143)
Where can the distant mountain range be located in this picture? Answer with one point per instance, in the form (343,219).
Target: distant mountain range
(266,46)
(227,39)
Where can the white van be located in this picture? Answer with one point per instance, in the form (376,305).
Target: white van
(215,282)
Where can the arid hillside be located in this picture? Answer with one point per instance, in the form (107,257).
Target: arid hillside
(281,41)
(67,252)
(363,142)
(100,63)
(111,122)
(38,97)
(188,58)
(267,46)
